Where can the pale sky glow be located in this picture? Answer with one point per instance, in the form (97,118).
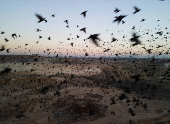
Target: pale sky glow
(18,16)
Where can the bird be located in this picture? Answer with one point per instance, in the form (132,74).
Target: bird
(119,18)
(38,30)
(14,35)
(84,13)
(114,39)
(66,21)
(67,26)
(2,32)
(5,71)
(106,50)
(6,40)
(83,29)
(86,54)
(117,10)
(2,48)
(78,36)
(94,38)
(143,20)
(40,37)
(123,22)
(40,18)
(159,32)
(8,50)
(133,28)
(135,39)
(26,44)
(49,38)
(72,44)
(149,50)
(53,15)
(136,10)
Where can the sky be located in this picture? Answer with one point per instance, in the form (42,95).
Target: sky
(18,16)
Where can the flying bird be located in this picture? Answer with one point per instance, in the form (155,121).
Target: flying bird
(38,30)
(72,44)
(2,32)
(2,48)
(117,10)
(83,29)
(5,71)
(143,20)
(106,50)
(133,28)
(53,15)
(86,54)
(14,35)
(114,39)
(136,10)
(149,51)
(119,18)
(66,21)
(67,26)
(40,18)
(135,39)
(84,13)
(94,39)
(6,40)
(8,50)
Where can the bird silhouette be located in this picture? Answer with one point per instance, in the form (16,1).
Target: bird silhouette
(143,20)
(2,32)
(114,39)
(38,30)
(84,13)
(66,21)
(83,29)
(8,50)
(94,39)
(6,40)
(136,10)
(135,39)
(14,35)
(117,10)
(5,71)
(133,28)
(67,26)
(72,44)
(119,18)
(86,54)
(149,50)
(53,15)
(40,18)
(2,48)
(106,50)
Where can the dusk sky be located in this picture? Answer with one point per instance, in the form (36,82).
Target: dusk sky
(18,16)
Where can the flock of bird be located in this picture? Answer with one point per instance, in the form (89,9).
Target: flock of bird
(94,38)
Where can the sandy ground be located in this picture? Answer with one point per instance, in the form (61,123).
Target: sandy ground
(90,92)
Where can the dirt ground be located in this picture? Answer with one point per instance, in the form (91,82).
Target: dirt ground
(60,91)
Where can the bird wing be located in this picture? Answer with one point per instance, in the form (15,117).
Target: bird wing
(95,42)
(39,17)
(136,9)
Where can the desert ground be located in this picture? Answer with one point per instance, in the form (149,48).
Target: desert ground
(42,90)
